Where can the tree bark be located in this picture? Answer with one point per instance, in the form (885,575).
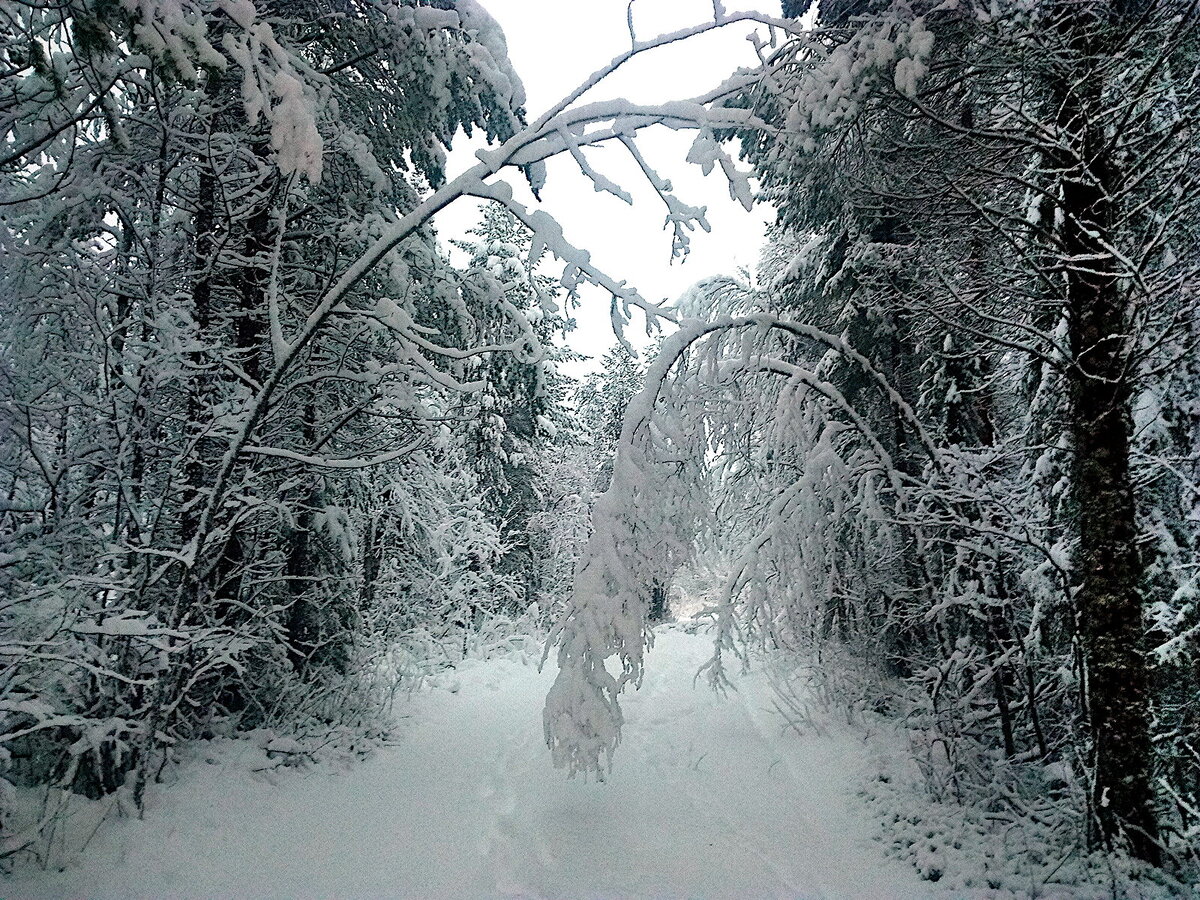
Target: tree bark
(1108,597)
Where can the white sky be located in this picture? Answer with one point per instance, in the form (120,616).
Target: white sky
(554,45)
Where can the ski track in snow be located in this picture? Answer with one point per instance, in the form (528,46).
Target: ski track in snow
(709,798)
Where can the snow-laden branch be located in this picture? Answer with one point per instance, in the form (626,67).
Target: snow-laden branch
(329,462)
(532,145)
(642,528)
(680,217)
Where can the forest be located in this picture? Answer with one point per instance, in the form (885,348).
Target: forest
(274,448)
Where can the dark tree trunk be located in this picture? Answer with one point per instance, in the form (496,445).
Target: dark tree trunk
(370,564)
(1108,565)
(252,285)
(198,401)
(660,607)
(1110,571)
(303,624)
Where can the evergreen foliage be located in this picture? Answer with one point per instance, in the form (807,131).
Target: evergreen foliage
(258,430)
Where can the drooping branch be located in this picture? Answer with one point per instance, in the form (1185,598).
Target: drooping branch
(606,615)
(545,138)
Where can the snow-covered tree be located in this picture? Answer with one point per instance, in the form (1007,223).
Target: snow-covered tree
(987,216)
(232,355)
(517,413)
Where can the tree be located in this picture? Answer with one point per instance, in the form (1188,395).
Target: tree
(234,360)
(1048,174)
(991,209)
(187,597)
(518,411)
(602,400)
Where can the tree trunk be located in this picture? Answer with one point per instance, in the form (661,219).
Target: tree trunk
(1108,597)
(198,399)
(1108,565)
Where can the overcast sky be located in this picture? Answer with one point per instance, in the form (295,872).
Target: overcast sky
(555,45)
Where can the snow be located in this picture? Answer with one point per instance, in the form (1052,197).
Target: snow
(242,12)
(493,64)
(294,136)
(272,87)
(174,30)
(710,798)
(130,623)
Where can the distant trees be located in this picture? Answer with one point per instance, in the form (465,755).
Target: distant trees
(520,408)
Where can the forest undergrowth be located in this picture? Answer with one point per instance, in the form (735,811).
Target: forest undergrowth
(331,726)
(967,819)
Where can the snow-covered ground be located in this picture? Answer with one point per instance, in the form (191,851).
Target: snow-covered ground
(709,798)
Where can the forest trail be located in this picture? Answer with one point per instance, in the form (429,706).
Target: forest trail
(709,798)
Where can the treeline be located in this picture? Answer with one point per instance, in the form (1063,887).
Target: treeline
(953,426)
(236,468)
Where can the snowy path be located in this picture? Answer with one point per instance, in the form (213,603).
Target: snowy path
(708,800)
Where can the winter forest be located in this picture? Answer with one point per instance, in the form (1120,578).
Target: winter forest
(365,533)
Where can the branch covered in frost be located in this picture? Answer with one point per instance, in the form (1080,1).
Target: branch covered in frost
(563,128)
(644,524)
